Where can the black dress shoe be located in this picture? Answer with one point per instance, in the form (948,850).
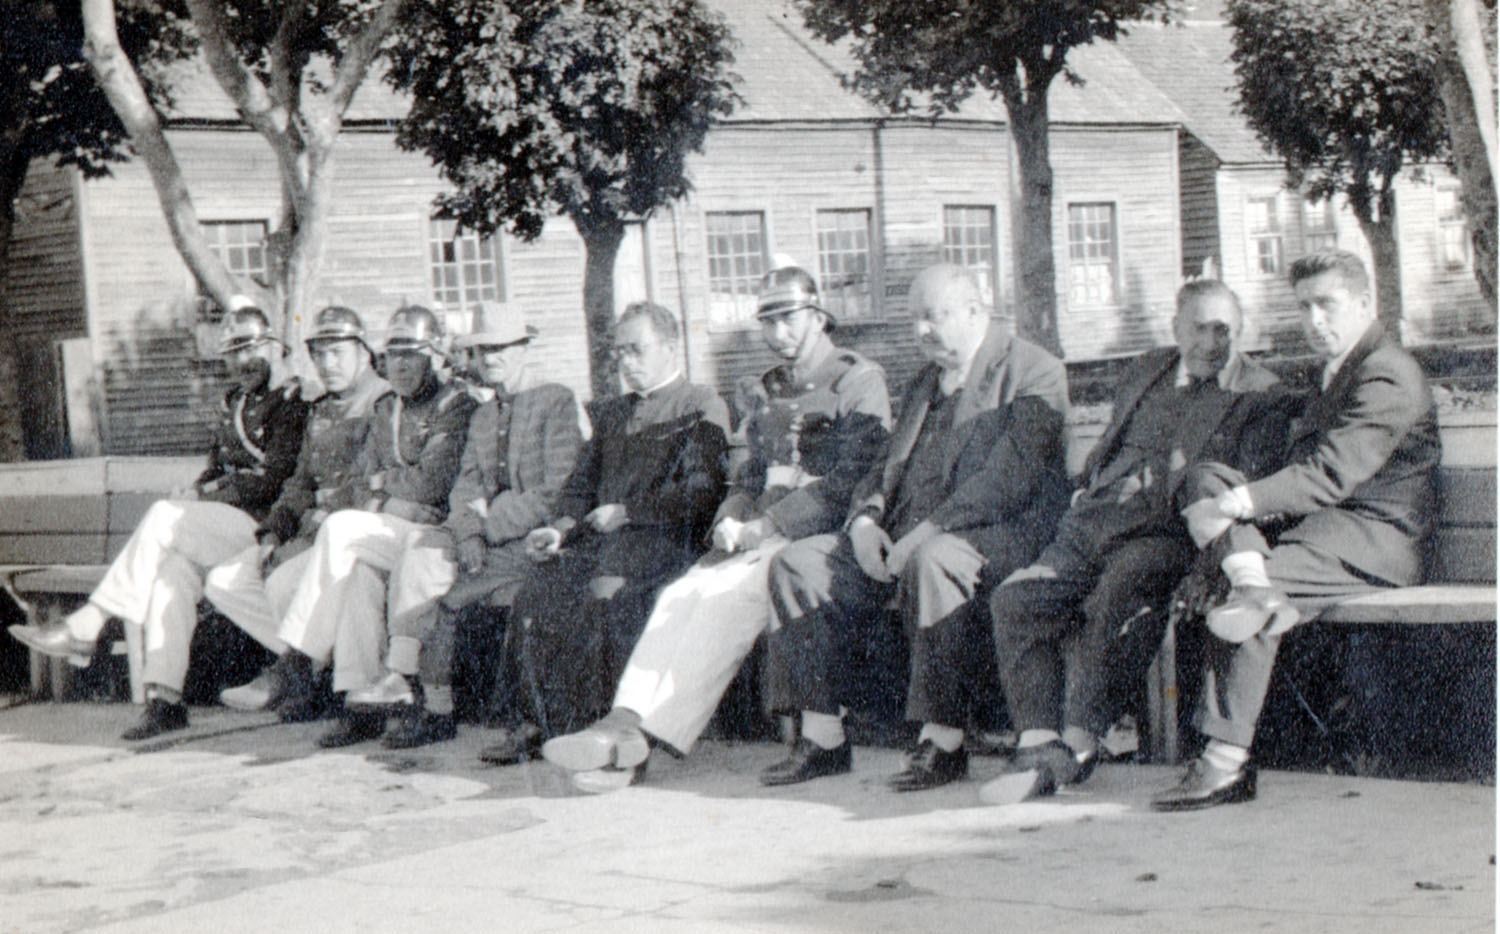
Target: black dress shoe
(159,717)
(929,766)
(292,679)
(419,730)
(807,761)
(1035,772)
(1205,785)
(353,728)
(515,744)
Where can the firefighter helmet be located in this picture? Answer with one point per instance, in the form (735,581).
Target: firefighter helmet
(787,289)
(337,323)
(245,327)
(413,327)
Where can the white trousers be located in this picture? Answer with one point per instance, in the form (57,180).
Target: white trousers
(703,626)
(157,580)
(363,566)
(256,605)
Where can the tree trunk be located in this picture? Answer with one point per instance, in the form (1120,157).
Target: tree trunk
(1468,103)
(122,86)
(601,243)
(1380,233)
(1036,305)
(12,176)
(302,266)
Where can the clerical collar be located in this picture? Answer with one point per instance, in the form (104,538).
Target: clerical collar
(645,393)
(1228,374)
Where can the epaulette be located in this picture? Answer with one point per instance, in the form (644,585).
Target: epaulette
(291,389)
(449,394)
(476,391)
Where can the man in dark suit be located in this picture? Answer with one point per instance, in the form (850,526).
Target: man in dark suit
(1122,547)
(967,489)
(1348,514)
(632,516)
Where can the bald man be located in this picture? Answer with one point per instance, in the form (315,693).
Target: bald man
(967,488)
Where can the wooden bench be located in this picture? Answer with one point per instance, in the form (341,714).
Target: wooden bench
(1461,574)
(61,523)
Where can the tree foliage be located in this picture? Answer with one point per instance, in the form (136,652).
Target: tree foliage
(1346,94)
(535,108)
(931,55)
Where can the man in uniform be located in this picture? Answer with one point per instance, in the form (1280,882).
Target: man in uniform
(157,580)
(522,444)
(818,421)
(1348,512)
(398,485)
(630,518)
(254,587)
(967,489)
(1122,548)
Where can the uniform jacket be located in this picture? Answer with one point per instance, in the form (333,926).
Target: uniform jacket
(336,428)
(520,451)
(1246,431)
(411,453)
(661,456)
(1005,453)
(1362,464)
(255,446)
(812,437)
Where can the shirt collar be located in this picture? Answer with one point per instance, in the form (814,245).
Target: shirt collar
(647,393)
(1331,368)
(1228,374)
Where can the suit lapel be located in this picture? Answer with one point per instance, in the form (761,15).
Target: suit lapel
(1125,405)
(905,436)
(1325,406)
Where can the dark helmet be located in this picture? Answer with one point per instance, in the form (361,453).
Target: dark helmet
(245,327)
(788,289)
(337,323)
(413,327)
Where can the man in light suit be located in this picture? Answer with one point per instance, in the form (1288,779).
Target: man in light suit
(1090,611)
(1348,514)
(967,489)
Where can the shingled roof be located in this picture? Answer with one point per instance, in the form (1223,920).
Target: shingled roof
(1190,64)
(787,75)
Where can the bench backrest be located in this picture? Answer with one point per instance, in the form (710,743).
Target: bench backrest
(1463,550)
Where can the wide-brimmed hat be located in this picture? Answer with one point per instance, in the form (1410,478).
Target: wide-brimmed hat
(496,324)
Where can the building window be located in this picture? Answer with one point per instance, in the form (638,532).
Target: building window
(1453,229)
(736,262)
(1263,221)
(241,247)
(1319,231)
(1093,248)
(465,269)
(969,241)
(844,263)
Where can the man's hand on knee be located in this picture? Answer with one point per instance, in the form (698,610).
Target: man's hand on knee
(901,552)
(870,544)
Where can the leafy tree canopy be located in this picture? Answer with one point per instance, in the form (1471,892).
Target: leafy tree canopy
(534,108)
(1345,93)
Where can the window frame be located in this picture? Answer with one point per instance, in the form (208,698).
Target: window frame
(873,308)
(991,279)
(494,245)
(1310,210)
(1448,223)
(1274,234)
(1115,298)
(738,312)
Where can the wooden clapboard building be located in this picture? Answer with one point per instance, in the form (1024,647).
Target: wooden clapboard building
(111,325)
(1238,214)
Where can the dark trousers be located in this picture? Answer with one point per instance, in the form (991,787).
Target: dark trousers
(1064,645)
(1236,677)
(825,606)
(571,645)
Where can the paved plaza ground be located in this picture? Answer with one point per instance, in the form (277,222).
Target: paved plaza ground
(243,825)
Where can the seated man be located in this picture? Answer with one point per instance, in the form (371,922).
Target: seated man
(818,421)
(1348,513)
(157,580)
(255,586)
(522,444)
(966,490)
(399,485)
(629,519)
(1121,548)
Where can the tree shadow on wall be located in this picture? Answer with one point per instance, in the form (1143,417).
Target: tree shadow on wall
(161,387)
